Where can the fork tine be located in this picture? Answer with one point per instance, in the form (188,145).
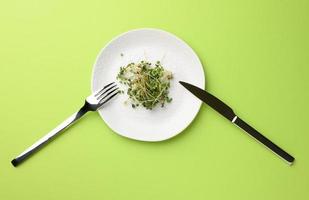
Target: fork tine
(109,96)
(107,90)
(106,86)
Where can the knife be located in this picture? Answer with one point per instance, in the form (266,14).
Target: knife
(228,113)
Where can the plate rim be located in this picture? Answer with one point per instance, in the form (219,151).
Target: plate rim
(171,35)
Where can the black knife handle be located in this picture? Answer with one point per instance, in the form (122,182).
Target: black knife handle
(261,138)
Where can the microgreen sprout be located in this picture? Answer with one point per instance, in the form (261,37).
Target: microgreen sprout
(147,84)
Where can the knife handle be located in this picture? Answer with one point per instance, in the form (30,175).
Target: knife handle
(261,138)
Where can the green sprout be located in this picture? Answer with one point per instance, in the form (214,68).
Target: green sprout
(147,84)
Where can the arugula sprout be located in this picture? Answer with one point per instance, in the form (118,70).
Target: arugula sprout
(147,84)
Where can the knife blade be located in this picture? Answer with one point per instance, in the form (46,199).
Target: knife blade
(228,113)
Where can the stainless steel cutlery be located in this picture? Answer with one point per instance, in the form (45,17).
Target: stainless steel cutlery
(92,103)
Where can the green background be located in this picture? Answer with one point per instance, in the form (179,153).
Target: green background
(255,55)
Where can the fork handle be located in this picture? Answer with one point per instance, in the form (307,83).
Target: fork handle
(49,136)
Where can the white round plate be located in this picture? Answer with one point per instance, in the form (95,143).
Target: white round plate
(176,56)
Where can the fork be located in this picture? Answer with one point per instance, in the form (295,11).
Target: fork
(92,103)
